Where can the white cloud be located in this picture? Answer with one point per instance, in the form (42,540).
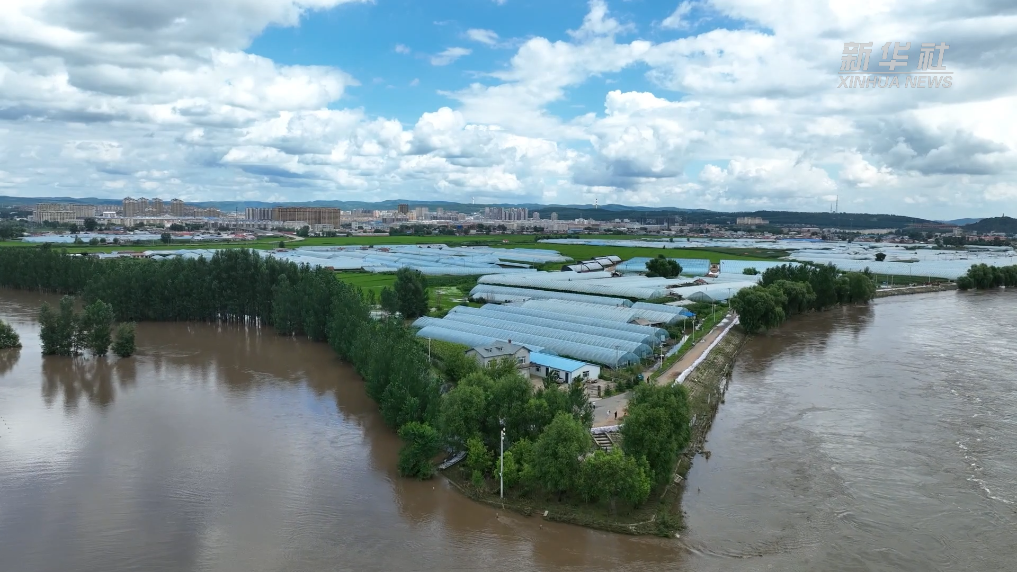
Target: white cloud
(677,18)
(165,97)
(449,55)
(487,37)
(597,23)
(415,82)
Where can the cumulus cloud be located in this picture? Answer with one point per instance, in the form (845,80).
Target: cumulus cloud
(162,96)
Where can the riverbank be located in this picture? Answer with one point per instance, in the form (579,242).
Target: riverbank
(942,287)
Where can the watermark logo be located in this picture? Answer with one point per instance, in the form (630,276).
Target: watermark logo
(929,70)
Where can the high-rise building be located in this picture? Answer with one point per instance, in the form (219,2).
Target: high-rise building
(535,216)
(142,206)
(258,213)
(177,207)
(130,207)
(310,215)
(157,208)
(554,216)
(62,212)
(403,209)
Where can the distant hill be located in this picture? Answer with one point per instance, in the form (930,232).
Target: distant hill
(960,221)
(608,212)
(995,224)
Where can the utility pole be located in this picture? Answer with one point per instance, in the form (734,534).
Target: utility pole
(501,471)
(428,350)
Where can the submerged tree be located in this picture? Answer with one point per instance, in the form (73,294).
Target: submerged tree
(8,337)
(95,328)
(123,345)
(59,328)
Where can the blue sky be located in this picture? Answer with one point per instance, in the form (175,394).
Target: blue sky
(718,104)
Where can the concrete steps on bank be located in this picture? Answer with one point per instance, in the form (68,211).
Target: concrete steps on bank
(604,441)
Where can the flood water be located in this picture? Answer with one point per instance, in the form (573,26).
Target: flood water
(879,438)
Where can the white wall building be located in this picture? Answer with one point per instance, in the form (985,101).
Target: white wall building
(568,369)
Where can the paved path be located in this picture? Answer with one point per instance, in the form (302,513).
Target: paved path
(621,401)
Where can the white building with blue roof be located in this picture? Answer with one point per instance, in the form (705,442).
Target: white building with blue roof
(568,369)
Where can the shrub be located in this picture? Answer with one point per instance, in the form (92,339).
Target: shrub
(123,345)
(8,337)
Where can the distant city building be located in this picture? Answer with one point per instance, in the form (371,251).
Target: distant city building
(749,221)
(157,207)
(403,209)
(62,212)
(554,216)
(535,216)
(311,215)
(258,213)
(177,207)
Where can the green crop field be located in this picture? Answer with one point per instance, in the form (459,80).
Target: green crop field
(367,281)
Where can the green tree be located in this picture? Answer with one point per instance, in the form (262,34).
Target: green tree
(389,300)
(663,267)
(73,229)
(420,445)
(123,343)
(96,327)
(304,231)
(758,309)
(411,291)
(965,283)
(282,244)
(8,337)
(166,238)
(750,271)
(657,427)
(613,477)
(880,257)
(509,468)
(94,241)
(797,297)
(478,457)
(90,224)
(557,454)
(58,328)
(461,414)
(860,288)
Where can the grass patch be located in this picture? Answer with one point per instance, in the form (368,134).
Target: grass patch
(368,281)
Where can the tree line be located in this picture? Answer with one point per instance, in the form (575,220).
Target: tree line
(983,277)
(790,289)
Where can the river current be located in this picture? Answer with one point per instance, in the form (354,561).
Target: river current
(865,438)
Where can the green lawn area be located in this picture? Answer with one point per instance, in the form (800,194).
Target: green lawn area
(368,281)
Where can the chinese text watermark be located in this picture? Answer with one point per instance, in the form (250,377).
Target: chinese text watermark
(929,70)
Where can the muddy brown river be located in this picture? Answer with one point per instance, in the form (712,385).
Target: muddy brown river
(876,438)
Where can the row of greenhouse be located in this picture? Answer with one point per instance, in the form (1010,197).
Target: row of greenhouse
(602,287)
(614,336)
